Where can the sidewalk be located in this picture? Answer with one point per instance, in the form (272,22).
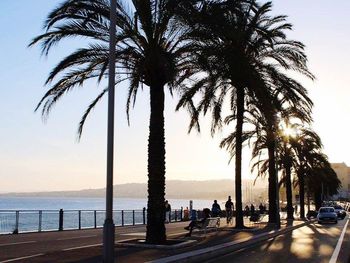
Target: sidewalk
(203,247)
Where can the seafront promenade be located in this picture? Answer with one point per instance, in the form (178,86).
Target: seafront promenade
(85,245)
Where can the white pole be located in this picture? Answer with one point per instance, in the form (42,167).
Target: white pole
(108,227)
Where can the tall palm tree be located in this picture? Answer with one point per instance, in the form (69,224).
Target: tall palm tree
(266,134)
(307,146)
(286,159)
(151,50)
(318,174)
(244,52)
(314,169)
(287,154)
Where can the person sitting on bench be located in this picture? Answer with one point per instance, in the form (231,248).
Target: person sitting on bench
(198,224)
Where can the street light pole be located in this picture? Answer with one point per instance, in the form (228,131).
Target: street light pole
(108,227)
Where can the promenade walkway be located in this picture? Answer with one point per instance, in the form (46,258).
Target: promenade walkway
(86,245)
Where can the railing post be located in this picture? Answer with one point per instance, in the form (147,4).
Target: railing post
(133,217)
(40,220)
(175,215)
(122,217)
(95,219)
(79,216)
(16,230)
(144,215)
(181,211)
(60,220)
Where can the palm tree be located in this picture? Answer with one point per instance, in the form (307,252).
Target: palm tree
(286,159)
(243,50)
(287,154)
(265,134)
(318,174)
(151,50)
(307,146)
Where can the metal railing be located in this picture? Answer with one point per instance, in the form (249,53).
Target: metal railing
(20,221)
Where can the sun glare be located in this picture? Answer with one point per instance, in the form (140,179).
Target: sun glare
(289,132)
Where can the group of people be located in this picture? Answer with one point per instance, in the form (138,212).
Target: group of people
(229,207)
(215,212)
(251,211)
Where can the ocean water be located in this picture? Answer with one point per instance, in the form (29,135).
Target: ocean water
(42,213)
(76,203)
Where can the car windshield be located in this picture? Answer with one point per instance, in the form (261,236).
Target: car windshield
(326,210)
(337,207)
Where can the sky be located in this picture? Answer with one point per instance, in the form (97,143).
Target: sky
(46,156)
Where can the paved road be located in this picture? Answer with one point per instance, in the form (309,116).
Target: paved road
(314,243)
(32,246)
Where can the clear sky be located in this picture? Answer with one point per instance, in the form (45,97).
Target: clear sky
(37,156)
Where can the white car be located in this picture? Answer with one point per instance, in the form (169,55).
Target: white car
(327,214)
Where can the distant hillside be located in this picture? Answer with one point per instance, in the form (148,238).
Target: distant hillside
(213,189)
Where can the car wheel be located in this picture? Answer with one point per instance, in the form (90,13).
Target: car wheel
(336,222)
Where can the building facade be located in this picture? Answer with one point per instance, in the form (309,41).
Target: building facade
(343,173)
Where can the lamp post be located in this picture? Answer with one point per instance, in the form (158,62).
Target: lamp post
(108,226)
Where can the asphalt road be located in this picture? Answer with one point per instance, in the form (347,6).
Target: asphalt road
(39,247)
(14,248)
(314,243)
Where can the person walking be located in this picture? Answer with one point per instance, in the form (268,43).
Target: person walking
(229,209)
(167,211)
(215,209)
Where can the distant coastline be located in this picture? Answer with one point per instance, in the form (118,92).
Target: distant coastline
(211,189)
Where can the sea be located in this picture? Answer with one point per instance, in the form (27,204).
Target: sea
(76,203)
(33,214)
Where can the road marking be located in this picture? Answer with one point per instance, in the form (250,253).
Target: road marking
(17,243)
(74,248)
(16,259)
(68,238)
(337,248)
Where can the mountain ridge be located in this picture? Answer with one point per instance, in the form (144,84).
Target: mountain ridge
(211,189)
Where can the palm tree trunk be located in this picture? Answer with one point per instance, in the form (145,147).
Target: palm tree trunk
(318,198)
(238,156)
(308,199)
(289,193)
(156,169)
(302,196)
(272,180)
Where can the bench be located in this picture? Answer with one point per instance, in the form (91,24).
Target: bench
(211,223)
(257,217)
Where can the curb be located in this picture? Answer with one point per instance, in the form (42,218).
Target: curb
(183,244)
(203,254)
